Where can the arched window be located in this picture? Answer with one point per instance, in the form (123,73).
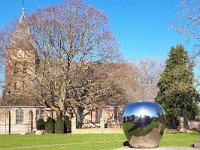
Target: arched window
(37,114)
(42,114)
(98,114)
(15,68)
(116,114)
(15,86)
(24,68)
(23,85)
(19,116)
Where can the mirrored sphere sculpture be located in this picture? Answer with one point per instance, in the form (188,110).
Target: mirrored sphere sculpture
(143,124)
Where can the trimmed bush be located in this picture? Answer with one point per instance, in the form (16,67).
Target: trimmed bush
(40,124)
(50,125)
(67,124)
(59,125)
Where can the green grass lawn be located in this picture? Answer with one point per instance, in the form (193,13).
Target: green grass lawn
(84,142)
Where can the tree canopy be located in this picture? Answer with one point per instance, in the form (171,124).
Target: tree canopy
(187,23)
(69,56)
(177,93)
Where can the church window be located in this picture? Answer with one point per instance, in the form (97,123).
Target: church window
(39,114)
(24,68)
(23,84)
(15,67)
(19,116)
(116,114)
(98,114)
(42,114)
(15,85)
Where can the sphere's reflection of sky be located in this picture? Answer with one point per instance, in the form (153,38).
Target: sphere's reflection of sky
(141,110)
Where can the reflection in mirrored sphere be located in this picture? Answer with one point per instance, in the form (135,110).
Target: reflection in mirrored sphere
(143,124)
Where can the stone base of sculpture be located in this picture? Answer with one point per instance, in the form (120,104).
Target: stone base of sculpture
(159,148)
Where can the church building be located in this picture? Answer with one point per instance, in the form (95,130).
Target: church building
(19,111)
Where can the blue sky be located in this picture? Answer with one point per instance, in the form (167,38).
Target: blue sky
(142,27)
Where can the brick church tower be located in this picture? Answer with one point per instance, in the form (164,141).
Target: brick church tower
(19,109)
(20,59)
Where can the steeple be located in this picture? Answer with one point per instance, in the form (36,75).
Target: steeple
(22,18)
(22,22)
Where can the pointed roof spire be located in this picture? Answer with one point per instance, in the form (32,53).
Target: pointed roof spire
(23,13)
(23,25)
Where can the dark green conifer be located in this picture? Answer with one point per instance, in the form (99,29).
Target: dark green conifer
(40,124)
(59,125)
(50,125)
(177,93)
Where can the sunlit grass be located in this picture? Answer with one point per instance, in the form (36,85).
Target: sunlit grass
(85,142)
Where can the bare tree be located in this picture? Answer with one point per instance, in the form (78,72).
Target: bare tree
(62,55)
(197,79)
(4,40)
(188,23)
(68,39)
(149,70)
(105,84)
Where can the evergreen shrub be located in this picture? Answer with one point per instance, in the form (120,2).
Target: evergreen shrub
(59,125)
(50,125)
(67,124)
(40,124)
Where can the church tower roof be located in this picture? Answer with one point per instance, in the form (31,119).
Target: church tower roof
(22,18)
(22,30)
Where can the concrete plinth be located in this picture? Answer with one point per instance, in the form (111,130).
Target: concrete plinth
(160,148)
(197,144)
